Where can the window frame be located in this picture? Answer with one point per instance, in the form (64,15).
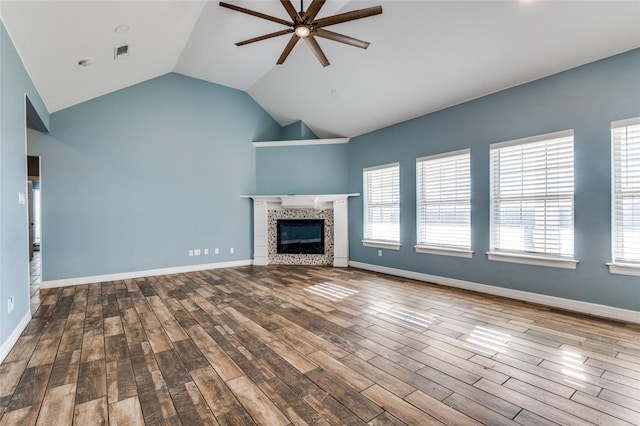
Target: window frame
(456,197)
(369,240)
(521,256)
(618,265)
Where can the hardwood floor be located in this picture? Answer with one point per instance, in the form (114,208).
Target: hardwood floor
(282,345)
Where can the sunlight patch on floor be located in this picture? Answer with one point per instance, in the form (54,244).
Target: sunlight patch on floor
(403,314)
(484,337)
(331,291)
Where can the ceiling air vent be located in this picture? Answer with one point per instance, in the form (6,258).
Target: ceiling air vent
(121,52)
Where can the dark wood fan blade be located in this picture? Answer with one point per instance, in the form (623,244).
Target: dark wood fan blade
(264,37)
(315,48)
(341,38)
(254,13)
(347,16)
(291,10)
(312,11)
(287,49)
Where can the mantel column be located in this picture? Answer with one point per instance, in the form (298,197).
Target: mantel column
(260,233)
(341,233)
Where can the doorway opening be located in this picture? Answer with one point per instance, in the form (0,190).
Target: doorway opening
(34,185)
(35,230)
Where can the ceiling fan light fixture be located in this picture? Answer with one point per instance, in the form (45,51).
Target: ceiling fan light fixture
(302,31)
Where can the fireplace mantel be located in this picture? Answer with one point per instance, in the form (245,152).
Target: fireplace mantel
(336,202)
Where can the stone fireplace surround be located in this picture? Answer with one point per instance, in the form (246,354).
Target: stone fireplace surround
(300,259)
(334,208)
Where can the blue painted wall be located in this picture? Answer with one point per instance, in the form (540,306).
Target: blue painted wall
(302,169)
(134,179)
(305,169)
(291,132)
(296,131)
(586,99)
(14,249)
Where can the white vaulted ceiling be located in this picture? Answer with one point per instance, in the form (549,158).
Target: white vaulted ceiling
(424,55)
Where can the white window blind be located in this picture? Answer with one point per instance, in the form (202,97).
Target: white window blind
(382,203)
(443,200)
(532,196)
(626,191)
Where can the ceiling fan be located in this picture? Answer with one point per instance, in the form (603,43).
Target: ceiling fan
(305,25)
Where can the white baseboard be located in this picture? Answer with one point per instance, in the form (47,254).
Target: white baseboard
(595,309)
(340,261)
(141,274)
(15,335)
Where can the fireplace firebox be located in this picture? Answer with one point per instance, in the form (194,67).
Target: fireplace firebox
(300,236)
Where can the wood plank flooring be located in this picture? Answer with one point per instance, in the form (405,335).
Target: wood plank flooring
(282,345)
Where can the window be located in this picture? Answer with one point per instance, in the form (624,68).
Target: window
(532,200)
(443,204)
(625,136)
(382,206)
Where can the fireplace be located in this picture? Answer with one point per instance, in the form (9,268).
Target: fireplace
(301,249)
(300,236)
(331,209)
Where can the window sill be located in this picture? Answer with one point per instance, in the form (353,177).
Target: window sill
(443,251)
(533,260)
(381,244)
(624,269)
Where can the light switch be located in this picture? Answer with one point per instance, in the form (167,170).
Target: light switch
(22,199)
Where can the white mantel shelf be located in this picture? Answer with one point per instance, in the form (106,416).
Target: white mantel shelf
(337,202)
(299,142)
(296,201)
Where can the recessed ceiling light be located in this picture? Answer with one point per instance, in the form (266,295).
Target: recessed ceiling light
(122,28)
(86,62)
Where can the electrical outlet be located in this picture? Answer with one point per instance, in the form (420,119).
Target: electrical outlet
(379,252)
(10,303)
(190,252)
(206,251)
(216,250)
(196,252)
(232,250)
